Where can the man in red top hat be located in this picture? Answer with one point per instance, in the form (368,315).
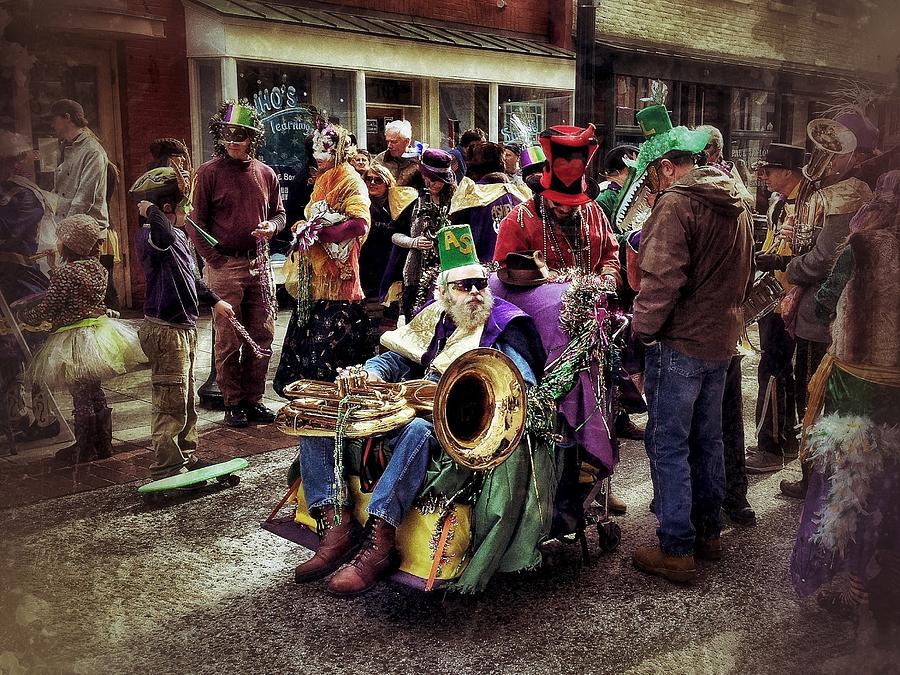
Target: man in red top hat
(562,221)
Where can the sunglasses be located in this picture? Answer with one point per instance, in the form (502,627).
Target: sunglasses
(466,285)
(234,135)
(374,180)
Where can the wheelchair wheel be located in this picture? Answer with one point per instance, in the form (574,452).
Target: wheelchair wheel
(609,535)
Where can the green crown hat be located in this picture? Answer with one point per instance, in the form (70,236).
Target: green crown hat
(662,137)
(456,247)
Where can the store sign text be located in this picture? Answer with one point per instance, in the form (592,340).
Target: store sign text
(281,102)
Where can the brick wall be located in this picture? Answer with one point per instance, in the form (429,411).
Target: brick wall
(520,16)
(154,100)
(751,30)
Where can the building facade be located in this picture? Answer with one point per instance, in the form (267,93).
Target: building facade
(442,68)
(758,70)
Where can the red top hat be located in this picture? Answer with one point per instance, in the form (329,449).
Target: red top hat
(569,151)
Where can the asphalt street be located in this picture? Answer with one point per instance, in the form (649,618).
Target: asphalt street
(101,583)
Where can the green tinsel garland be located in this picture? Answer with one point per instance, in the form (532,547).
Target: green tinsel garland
(577,319)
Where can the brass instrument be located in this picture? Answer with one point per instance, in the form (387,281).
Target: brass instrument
(830,139)
(420,395)
(480,409)
(364,408)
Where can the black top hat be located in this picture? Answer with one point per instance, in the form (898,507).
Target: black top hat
(783,156)
(524,268)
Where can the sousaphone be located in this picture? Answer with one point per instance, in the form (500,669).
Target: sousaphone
(480,409)
(830,139)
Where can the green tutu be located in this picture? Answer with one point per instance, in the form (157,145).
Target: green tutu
(90,350)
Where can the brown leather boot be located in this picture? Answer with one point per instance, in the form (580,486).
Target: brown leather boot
(796,489)
(339,543)
(653,560)
(616,504)
(377,558)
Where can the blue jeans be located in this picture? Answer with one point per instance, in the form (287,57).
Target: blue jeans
(684,443)
(396,489)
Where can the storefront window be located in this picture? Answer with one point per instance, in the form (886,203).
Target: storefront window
(466,104)
(389,99)
(288,99)
(754,126)
(50,81)
(537,109)
(632,95)
(702,104)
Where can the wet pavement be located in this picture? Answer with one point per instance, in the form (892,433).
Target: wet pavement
(100,582)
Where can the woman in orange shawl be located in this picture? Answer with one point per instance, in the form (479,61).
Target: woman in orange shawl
(329,329)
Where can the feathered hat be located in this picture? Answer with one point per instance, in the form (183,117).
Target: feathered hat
(569,151)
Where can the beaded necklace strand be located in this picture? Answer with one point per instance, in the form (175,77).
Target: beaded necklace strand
(577,250)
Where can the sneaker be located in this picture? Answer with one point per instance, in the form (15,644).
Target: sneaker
(653,560)
(199,464)
(764,462)
(708,549)
(258,413)
(235,416)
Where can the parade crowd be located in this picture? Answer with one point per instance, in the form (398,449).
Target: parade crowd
(405,261)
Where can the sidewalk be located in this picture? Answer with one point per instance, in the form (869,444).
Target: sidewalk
(34,475)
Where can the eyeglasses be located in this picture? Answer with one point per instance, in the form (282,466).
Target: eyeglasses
(230,134)
(374,180)
(466,285)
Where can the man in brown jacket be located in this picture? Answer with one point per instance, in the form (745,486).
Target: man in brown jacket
(696,258)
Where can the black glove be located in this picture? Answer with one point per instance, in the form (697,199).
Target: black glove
(769,262)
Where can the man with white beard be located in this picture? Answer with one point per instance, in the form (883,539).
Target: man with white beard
(464,316)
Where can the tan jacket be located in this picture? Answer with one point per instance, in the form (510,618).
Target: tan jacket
(80,180)
(696,259)
(405,170)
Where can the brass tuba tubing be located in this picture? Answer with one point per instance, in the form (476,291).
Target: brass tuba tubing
(829,139)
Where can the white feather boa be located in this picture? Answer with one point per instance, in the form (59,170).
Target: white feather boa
(851,452)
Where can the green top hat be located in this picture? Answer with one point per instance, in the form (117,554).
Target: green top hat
(240,116)
(654,120)
(662,137)
(456,247)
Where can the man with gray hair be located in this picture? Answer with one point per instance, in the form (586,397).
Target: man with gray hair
(80,180)
(402,164)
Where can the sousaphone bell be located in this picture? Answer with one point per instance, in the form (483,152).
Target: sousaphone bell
(480,409)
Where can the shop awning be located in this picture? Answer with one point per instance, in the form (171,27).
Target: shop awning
(110,21)
(373,26)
